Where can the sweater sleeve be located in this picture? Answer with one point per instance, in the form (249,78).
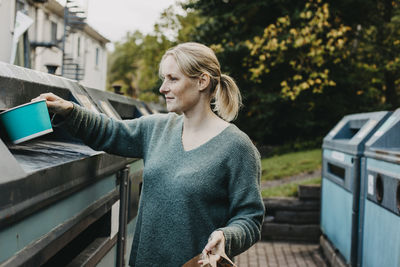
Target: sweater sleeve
(119,137)
(246,207)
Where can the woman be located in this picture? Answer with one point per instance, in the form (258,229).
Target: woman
(201,174)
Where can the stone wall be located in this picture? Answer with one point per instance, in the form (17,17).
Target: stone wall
(293,219)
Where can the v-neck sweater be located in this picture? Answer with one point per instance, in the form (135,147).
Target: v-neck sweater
(186,195)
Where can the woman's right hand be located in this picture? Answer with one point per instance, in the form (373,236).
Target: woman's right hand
(56,104)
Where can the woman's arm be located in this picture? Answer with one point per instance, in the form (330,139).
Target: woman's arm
(123,138)
(246,207)
(100,132)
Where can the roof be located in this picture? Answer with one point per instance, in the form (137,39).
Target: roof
(95,34)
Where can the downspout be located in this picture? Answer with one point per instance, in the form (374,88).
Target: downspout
(123,212)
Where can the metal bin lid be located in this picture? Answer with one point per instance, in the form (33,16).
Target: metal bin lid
(352,131)
(115,105)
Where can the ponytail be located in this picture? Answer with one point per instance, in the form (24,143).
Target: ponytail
(227,98)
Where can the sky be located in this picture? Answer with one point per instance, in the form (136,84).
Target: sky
(115,18)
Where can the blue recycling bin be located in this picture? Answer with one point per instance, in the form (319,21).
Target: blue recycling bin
(380,197)
(342,151)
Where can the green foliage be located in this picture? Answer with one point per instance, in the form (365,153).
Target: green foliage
(179,27)
(306,47)
(303,72)
(290,164)
(377,51)
(147,96)
(288,190)
(134,63)
(121,65)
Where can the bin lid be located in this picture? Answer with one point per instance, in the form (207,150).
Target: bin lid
(352,131)
(148,108)
(100,98)
(144,109)
(115,105)
(385,142)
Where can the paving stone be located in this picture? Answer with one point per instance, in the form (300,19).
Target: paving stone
(281,254)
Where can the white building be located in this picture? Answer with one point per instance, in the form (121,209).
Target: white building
(85,55)
(7,18)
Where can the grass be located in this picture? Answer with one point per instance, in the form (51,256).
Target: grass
(288,190)
(290,164)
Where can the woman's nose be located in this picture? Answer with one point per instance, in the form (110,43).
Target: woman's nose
(163,88)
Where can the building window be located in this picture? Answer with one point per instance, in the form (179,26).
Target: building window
(97,56)
(79,46)
(53,32)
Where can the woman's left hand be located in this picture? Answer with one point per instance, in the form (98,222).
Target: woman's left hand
(214,249)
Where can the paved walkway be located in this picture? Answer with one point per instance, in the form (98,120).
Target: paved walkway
(279,254)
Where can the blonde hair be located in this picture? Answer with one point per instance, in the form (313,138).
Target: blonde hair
(195,59)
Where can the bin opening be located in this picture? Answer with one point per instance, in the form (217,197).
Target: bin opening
(336,170)
(124,110)
(379,189)
(350,129)
(98,229)
(398,196)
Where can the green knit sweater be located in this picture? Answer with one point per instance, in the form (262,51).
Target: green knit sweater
(186,195)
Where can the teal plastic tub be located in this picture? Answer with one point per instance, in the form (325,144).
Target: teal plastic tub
(27,121)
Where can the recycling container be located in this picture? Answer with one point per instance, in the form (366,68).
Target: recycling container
(61,202)
(342,151)
(380,197)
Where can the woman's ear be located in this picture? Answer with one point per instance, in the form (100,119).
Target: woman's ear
(204,81)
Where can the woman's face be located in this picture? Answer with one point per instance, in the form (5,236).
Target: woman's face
(181,92)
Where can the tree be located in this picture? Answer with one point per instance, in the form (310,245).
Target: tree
(377,50)
(266,117)
(307,48)
(123,63)
(304,66)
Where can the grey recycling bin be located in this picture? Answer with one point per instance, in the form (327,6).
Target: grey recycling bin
(343,148)
(60,201)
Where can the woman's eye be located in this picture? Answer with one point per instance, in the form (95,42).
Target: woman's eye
(174,79)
